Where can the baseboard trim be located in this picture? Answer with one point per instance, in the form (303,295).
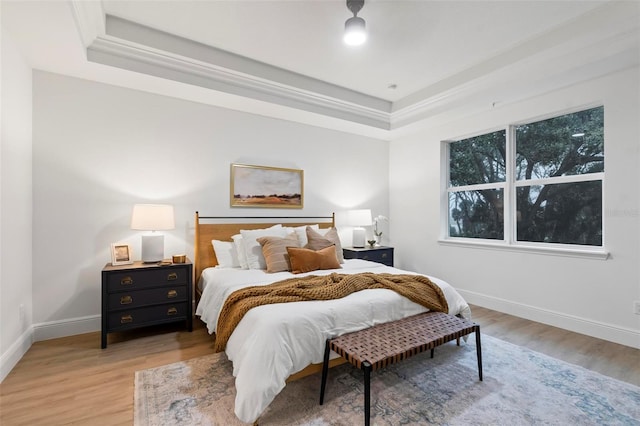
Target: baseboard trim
(16,351)
(67,327)
(88,324)
(600,330)
(45,331)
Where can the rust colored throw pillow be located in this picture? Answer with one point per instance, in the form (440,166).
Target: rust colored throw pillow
(317,241)
(274,250)
(306,260)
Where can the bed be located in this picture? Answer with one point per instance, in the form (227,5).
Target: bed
(276,343)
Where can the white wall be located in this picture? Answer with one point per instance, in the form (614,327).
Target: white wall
(15,206)
(589,296)
(99,149)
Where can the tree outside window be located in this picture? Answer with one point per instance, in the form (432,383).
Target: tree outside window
(551,190)
(477,171)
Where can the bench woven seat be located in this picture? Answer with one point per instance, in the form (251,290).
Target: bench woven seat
(385,344)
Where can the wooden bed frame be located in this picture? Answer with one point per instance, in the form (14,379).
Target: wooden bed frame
(222,228)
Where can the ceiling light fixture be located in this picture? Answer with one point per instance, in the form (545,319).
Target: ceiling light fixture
(354,28)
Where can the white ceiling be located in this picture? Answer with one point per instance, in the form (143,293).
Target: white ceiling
(412,44)
(286,58)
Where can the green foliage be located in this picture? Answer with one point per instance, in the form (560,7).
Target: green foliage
(554,147)
(571,214)
(473,214)
(478,160)
(572,144)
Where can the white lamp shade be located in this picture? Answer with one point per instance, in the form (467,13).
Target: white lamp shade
(361,217)
(358,219)
(152,217)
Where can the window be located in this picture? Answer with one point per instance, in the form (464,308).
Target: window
(477,176)
(537,182)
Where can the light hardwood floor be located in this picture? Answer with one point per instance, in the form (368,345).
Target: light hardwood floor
(72,381)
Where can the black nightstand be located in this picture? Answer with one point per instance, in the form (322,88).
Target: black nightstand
(380,254)
(142,294)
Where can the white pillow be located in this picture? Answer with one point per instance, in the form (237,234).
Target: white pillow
(253,249)
(321,231)
(239,247)
(226,254)
(301,233)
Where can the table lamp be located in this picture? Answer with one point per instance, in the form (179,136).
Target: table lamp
(152,217)
(358,219)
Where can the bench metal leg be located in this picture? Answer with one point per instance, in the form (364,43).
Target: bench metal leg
(479,351)
(367,392)
(325,368)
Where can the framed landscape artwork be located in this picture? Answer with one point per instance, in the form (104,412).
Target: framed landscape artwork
(269,187)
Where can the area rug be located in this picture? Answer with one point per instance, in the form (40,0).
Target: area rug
(520,387)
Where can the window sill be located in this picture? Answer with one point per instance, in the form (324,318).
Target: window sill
(589,253)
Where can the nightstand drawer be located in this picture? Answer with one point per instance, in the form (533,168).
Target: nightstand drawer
(381,254)
(145,294)
(154,296)
(146,316)
(377,256)
(133,280)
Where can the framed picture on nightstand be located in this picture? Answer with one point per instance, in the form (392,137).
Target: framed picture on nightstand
(121,254)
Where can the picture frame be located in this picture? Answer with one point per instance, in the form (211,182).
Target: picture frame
(266,187)
(121,254)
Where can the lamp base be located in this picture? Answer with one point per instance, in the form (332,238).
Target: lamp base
(152,248)
(358,237)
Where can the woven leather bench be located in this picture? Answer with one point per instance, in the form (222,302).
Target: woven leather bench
(385,344)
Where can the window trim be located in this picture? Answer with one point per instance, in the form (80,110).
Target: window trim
(552,249)
(509,186)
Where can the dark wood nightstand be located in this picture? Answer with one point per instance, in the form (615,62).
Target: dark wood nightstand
(143,294)
(380,254)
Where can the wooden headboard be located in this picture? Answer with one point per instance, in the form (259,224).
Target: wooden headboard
(222,228)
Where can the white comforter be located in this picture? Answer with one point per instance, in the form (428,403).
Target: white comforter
(274,341)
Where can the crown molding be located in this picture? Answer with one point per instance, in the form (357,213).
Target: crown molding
(137,58)
(539,72)
(603,40)
(142,49)
(89,17)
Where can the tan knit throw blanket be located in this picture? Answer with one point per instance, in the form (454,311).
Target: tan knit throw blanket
(417,288)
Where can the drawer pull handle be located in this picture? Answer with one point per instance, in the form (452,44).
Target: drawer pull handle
(125,319)
(126,300)
(126,281)
(172,276)
(171,294)
(384,255)
(172,311)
